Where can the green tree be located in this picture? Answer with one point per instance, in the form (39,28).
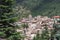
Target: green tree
(37,37)
(24,26)
(7,20)
(56,34)
(22,11)
(45,34)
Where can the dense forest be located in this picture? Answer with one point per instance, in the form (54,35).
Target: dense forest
(41,7)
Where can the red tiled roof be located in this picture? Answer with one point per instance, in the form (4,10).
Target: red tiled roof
(56,16)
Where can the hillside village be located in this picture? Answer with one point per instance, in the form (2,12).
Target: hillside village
(35,24)
(29,19)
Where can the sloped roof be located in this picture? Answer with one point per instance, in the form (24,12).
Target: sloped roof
(56,16)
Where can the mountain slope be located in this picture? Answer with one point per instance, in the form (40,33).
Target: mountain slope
(42,7)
